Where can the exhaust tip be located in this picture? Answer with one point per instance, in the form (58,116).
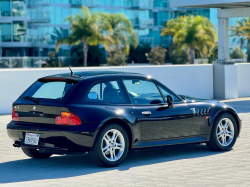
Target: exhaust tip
(17,144)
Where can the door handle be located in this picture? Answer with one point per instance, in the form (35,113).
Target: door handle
(146,113)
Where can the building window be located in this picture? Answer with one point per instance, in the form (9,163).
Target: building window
(19,31)
(18,7)
(5,8)
(5,29)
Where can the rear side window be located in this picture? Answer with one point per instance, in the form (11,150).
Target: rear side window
(107,92)
(49,90)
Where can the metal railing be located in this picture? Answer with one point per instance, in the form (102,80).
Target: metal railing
(40,16)
(38,2)
(143,23)
(143,4)
(83,2)
(27,62)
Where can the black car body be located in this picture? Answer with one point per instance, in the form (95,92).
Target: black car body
(148,120)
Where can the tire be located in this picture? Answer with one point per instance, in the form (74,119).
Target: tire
(104,143)
(220,138)
(33,153)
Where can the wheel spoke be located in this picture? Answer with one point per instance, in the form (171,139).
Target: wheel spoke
(114,136)
(229,133)
(111,154)
(108,150)
(226,124)
(114,154)
(106,138)
(120,148)
(219,134)
(105,148)
(119,144)
(224,139)
(220,126)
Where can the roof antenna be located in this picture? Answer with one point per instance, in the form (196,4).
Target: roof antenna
(72,73)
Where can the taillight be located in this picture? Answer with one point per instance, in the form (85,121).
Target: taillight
(15,115)
(67,118)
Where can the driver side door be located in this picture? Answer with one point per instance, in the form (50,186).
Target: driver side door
(157,120)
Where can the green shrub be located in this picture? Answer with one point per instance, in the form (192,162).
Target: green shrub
(177,57)
(237,53)
(116,57)
(156,56)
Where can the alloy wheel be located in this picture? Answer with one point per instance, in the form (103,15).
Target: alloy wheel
(225,131)
(113,145)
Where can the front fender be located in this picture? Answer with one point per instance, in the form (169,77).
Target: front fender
(220,109)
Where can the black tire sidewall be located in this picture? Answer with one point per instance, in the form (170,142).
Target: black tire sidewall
(214,133)
(99,142)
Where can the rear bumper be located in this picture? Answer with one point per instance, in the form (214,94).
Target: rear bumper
(61,141)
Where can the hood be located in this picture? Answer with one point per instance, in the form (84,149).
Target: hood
(191,99)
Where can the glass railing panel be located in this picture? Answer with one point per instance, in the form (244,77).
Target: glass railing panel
(16,63)
(147,23)
(146,4)
(6,38)
(38,2)
(4,63)
(78,2)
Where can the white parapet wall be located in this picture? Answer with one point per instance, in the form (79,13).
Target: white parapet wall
(243,73)
(193,80)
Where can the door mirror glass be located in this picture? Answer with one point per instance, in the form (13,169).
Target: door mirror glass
(170,101)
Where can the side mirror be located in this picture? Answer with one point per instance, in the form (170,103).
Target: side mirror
(170,101)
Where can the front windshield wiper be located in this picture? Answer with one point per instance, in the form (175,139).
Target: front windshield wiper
(31,99)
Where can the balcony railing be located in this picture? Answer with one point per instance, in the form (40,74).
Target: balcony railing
(38,2)
(143,4)
(39,16)
(144,23)
(149,40)
(82,2)
(27,62)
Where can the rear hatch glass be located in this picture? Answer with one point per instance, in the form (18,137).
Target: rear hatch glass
(43,101)
(49,90)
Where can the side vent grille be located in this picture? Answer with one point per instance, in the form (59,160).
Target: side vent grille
(203,111)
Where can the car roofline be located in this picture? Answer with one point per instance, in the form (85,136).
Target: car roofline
(105,74)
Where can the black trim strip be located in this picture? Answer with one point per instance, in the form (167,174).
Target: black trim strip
(169,142)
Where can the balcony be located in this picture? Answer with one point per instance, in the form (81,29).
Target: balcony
(143,24)
(88,3)
(148,40)
(39,16)
(34,3)
(27,62)
(143,4)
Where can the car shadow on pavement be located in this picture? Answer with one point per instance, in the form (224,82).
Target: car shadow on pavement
(78,165)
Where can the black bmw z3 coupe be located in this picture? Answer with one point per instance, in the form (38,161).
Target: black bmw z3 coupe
(109,113)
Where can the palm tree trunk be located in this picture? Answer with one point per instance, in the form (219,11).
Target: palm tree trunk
(85,53)
(192,54)
(248,50)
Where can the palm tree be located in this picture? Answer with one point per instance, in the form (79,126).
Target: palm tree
(242,30)
(192,33)
(119,30)
(84,29)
